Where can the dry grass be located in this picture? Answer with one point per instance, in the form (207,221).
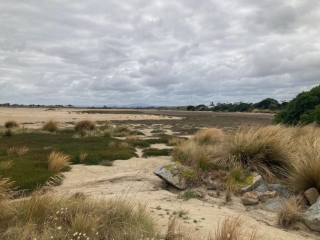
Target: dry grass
(43,216)
(125,145)
(266,150)
(82,156)
(306,165)
(290,213)
(51,126)
(11,124)
(85,125)
(5,165)
(20,151)
(231,228)
(176,141)
(208,136)
(132,138)
(57,161)
(7,191)
(112,144)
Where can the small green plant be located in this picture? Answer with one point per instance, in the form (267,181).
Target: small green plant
(8,133)
(188,195)
(11,124)
(51,126)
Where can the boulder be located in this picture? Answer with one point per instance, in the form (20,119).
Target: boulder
(312,216)
(273,187)
(272,205)
(257,181)
(170,174)
(250,198)
(312,195)
(267,195)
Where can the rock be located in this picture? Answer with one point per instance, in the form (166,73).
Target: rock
(250,198)
(257,181)
(272,205)
(273,187)
(302,200)
(312,216)
(170,174)
(215,185)
(312,195)
(267,195)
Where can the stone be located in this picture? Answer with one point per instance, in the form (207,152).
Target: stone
(273,187)
(257,181)
(250,198)
(312,195)
(170,174)
(267,195)
(312,216)
(272,205)
(302,200)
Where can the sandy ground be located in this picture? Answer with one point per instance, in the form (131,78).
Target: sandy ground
(35,117)
(134,179)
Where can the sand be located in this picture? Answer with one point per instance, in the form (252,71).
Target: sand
(134,179)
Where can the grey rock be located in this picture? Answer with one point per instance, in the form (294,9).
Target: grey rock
(267,195)
(170,174)
(312,195)
(312,216)
(272,205)
(257,181)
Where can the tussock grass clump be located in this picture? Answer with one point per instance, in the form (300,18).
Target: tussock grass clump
(11,124)
(231,228)
(7,190)
(208,136)
(5,165)
(306,166)
(57,161)
(82,156)
(290,213)
(20,151)
(43,216)
(266,150)
(85,125)
(50,126)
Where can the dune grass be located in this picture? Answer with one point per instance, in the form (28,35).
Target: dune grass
(85,125)
(290,213)
(57,161)
(50,126)
(306,165)
(11,124)
(43,216)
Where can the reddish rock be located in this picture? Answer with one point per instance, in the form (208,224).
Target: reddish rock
(312,195)
(250,198)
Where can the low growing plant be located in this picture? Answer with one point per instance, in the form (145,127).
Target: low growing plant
(11,124)
(51,126)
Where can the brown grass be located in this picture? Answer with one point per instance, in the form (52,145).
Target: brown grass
(208,136)
(20,151)
(85,125)
(51,126)
(306,165)
(7,191)
(82,156)
(266,150)
(290,213)
(11,124)
(57,161)
(5,165)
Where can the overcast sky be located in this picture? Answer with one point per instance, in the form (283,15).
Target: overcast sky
(159,52)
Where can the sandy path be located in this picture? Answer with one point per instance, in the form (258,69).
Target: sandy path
(134,179)
(34,117)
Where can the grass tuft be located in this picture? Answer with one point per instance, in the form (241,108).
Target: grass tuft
(11,124)
(51,126)
(290,213)
(85,125)
(208,136)
(57,161)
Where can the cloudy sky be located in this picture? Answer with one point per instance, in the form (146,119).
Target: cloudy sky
(159,52)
